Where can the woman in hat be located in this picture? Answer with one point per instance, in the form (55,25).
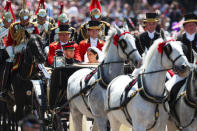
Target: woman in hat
(93,41)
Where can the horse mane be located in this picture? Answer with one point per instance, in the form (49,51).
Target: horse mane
(151,51)
(109,39)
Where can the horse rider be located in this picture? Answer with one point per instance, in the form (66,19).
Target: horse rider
(93,27)
(146,39)
(48,18)
(44,26)
(8,19)
(189,40)
(16,40)
(62,20)
(95,14)
(64,39)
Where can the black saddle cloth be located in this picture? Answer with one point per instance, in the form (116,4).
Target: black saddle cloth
(174,92)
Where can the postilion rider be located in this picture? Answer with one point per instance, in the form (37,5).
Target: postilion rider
(189,40)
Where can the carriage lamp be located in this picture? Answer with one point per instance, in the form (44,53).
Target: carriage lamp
(59,59)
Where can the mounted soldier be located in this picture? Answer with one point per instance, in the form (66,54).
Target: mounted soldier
(44,26)
(62,20)
(8,19)
(146,39)
(16,40)
(95,13)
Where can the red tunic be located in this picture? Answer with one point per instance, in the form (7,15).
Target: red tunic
(31,28)
(83,47)
(52,48)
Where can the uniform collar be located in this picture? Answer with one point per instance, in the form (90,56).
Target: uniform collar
(62,43)
(190,37)
(151,35)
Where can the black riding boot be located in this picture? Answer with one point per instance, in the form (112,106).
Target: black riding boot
(5,80)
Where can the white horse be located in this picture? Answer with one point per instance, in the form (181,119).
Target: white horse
(120,47)
(141,107)
(184,105)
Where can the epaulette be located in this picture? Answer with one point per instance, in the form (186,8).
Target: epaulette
(72,28)
(82,26)
(55,43)
(54,28)
(84,41)
(106,23)
(100,41)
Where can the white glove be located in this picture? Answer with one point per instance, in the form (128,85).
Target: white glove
(19,48)
(10,52)
(46,50)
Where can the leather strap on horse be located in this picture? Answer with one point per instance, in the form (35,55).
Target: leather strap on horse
(189,102)
(82,92)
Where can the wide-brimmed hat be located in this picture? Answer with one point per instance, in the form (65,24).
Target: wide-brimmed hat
(64,29)
(69,46)
(94,25)
(190,18)
(151,17)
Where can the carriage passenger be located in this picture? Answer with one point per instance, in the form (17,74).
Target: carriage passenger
(189,40)
(64,35)
(93,55)
(93,41)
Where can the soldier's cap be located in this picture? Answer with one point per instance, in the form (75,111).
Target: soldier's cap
(64,29)
(24,14)
(63,18)
(151,17)
(69,46)
(95,13)
(42,13)
(94,25)
(190,18)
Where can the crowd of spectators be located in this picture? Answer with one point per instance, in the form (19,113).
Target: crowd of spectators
(113,11)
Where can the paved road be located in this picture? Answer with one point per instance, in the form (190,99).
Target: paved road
(87,126)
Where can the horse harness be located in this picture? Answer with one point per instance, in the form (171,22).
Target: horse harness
(142,90)
(188,101)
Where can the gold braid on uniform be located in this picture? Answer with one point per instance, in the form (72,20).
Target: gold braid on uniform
(17,36)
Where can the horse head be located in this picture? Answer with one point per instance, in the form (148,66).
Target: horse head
(173,55)
(35,48)
(125,43)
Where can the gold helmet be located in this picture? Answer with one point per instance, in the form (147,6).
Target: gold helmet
(95,13)
(8,17)
(42,13)
(24,12)
(8,14)
(63,18)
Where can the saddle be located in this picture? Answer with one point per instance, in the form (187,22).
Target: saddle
(174,92)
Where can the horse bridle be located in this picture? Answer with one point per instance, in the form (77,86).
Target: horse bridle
(123,49)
